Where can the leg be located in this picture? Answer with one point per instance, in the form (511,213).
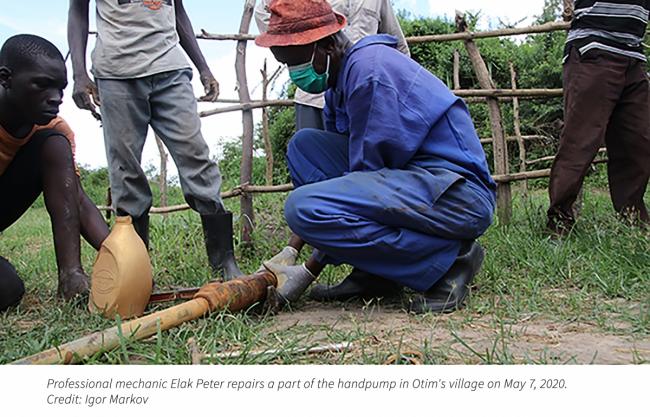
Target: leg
(20,185)
(368,220)
(22,182)
(308,117)
(60,189)
(11,286)
(175,119)
(45,163)
(592,85)
(126,115)
(628,147)
(315,155)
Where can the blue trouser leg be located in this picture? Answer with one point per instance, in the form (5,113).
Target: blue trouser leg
(315,155)
(405,225)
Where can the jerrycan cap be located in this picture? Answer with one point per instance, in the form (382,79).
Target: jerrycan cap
(124,220)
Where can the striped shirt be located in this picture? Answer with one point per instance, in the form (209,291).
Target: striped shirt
(616,26)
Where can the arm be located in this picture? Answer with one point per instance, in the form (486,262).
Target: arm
(91,223)
(329,114)
(83,88)
(389,24)
(188,42)
(383,132)
(262,15)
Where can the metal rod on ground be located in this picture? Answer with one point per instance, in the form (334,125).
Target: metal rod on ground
(234,295)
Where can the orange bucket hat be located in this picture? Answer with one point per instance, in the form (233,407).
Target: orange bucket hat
(300,22)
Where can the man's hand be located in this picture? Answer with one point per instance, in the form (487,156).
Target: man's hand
(86,96)
(210,85)
(568,13)
(287,257)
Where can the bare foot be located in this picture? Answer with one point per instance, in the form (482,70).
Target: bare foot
(72,284)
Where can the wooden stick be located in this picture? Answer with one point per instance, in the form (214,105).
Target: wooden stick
(504,194)
(502,94)
(492,92)
(464,36)
(529,175)
(234,295)
(162,176)
(329,348)
(195,353)
(240,37)
(514,138)
(259,189)
(551,158)
(456,69)
(251,105)
(517,128)
(246,173)
(412,40)
(268,149)
(242,189)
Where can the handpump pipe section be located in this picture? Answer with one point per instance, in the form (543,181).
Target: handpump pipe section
(235,295)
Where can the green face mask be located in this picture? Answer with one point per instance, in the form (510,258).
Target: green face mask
(306,77)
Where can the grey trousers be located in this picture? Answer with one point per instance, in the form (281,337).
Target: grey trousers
(166,102)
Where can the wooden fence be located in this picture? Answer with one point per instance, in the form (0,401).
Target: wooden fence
(488,93)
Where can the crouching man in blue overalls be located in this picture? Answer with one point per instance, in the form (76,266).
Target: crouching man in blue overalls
(398,185)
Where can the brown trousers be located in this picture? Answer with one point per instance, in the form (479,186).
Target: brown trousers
(606,100)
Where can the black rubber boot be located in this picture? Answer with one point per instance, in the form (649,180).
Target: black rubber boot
(217,229)
(451,290)
(141,226)
(358,284)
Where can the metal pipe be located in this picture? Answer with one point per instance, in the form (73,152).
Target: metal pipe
(234,295)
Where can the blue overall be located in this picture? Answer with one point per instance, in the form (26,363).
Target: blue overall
(399,179)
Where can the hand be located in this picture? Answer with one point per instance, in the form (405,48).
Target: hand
(86,96)
(287,256)
(211,87)
(292,280)
(568,13)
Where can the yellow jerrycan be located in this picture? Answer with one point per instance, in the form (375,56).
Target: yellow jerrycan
(121,281)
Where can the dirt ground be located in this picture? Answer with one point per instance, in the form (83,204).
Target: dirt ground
(454,338)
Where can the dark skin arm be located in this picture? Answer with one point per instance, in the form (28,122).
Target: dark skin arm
(92,225)
(84,93)
(188,42)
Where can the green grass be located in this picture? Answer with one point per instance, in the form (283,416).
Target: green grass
(597,276)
